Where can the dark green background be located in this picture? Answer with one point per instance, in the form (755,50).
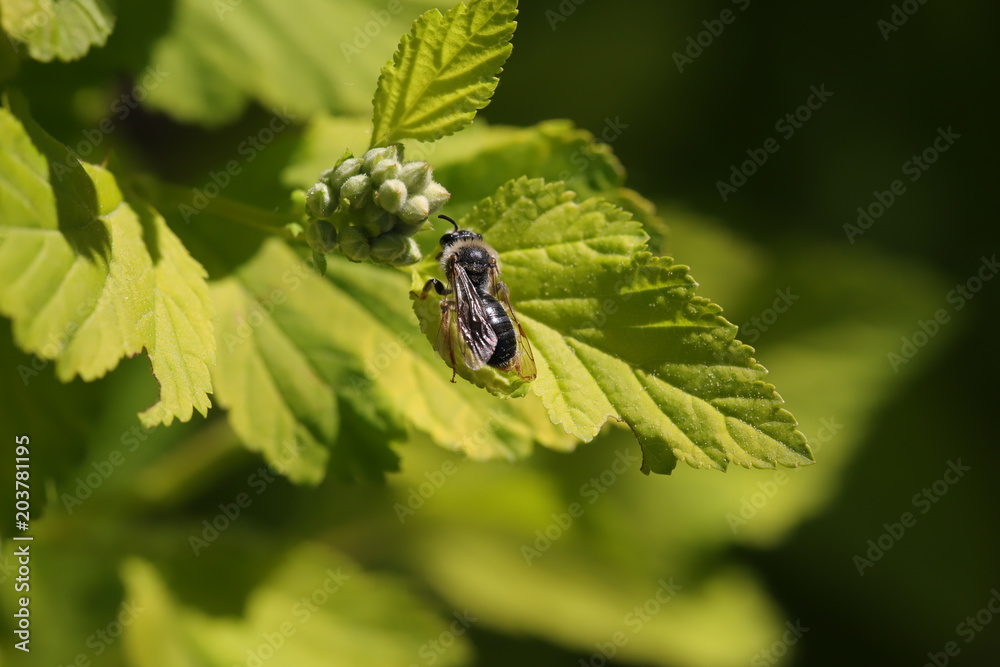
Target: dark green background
(614,60)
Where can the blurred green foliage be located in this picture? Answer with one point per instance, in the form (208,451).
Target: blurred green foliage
(459,562)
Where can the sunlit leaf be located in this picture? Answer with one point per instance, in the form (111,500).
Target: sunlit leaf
(63,29)
(315,608)
(619,333)
(443,72)
(89,278)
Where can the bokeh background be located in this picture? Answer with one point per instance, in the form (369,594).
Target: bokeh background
(755,553)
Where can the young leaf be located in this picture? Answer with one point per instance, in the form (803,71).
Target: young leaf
(299,56)
(89,278)
(618,333)
(443,72)
(63,29)
(317,602)
(477,161)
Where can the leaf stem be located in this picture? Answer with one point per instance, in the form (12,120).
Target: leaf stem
(270,222)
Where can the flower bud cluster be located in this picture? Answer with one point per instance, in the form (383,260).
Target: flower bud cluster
(370,207)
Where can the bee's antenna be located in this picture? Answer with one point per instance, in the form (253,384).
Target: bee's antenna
(450,220)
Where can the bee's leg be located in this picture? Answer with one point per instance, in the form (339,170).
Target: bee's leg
(438,287)
(502,293)
(447,308)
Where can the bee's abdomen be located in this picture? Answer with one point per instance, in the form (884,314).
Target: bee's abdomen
(506,347)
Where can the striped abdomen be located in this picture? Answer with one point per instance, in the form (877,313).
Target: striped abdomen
(506,349)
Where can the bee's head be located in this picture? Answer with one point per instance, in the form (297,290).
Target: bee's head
(454,237)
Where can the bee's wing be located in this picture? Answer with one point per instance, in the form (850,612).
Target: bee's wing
(475,336)
(445,342)
(524,360)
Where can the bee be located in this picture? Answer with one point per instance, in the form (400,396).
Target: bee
(478,319)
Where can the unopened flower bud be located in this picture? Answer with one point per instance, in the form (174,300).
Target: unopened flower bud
(342,172)
(391,195)
(436,196)
(356,190)
(376,221)
(371,205)
(388,247)
(320,202)
(411,255)
(416,176)
(321,236)
(385,170)
(376,155)
(354,244)
(415,210)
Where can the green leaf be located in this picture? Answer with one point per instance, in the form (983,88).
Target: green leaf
(619,334)
(566,597)
(89,278)
(315,608)
(297,56)
(474,163)
(278,403)
(295,349)
(560,556)
(63,29)
(443,72)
